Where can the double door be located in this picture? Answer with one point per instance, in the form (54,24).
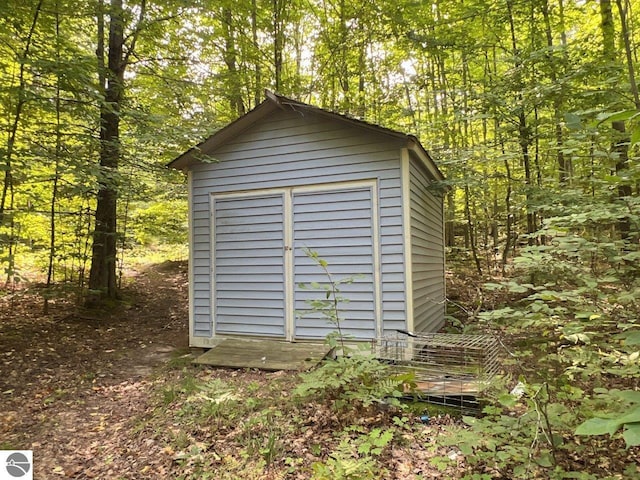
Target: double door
(265,281)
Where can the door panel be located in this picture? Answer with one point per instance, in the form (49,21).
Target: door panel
(249,276)
(338,225)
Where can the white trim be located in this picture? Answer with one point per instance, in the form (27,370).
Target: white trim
(288,253)
(212,245)
(372,186)
(406,228)
(377,259)
(296,188)
(425,160)
(289,307)
(203,342)
(248,193)
(212,266)
(191,260)
(444,261)
(332,186)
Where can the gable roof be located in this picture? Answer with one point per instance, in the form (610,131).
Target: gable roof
(274,102)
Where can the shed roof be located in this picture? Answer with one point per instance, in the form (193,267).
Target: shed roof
(274,102)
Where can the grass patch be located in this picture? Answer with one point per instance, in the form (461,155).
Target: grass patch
(142,256)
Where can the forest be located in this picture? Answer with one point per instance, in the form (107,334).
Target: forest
(530,108)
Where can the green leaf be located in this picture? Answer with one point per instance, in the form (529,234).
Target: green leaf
(635,136)
(578,338)
(632,338)
(631,434)
(471,421)
(572,121)
(617,116)
(631,396)
(545,460)
(507,400)
(631,417)
(598,426)
(466,449)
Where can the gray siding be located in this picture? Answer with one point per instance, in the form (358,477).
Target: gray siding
(288,149)
(427,252)
(338,226)
(248,267)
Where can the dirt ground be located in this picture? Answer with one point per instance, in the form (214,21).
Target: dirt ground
(69,380)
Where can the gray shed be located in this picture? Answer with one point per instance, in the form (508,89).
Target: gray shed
(288,176)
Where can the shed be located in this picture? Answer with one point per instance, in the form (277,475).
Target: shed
(288,177)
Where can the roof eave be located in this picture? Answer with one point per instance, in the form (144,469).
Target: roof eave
(190,157)
(273,102)
(414,145)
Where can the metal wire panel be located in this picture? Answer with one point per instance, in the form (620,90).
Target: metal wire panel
(445,365)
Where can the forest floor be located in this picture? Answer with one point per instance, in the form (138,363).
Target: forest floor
(114,395)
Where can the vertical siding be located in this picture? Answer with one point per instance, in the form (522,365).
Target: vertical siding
(248,265)
(289,149)
(201,268)
(427,251)
(338,226)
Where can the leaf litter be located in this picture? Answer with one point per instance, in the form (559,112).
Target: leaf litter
(108,395)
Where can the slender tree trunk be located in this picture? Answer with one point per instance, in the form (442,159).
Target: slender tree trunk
(623,163)
(471,229)
(278,41)
(7,188)
(628,53)
(230,59)
(343,64)
(621,147)
(450,225)
(509,218)
(56,173)
(362,66)
(563,163)
(8,193)
(608,31)
(254,38)
(524,134)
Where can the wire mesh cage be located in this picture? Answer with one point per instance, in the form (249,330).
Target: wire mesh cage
(450,369)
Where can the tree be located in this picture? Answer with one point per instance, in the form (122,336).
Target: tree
(102,277)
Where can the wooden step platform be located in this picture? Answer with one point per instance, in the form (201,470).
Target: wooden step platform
(263,354)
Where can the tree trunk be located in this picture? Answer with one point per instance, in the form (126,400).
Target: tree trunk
(230,59)
(628,53)
(278,41)
(56,174)
(621,143)
(102,276)
(621,147)
(471,227)
(254,37)
(450,225)
(564,164)
(524,134)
